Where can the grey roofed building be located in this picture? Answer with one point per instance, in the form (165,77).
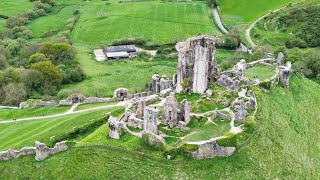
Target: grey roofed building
(127,48)
(117,55)
(117,52)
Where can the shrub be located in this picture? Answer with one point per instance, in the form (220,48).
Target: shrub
(229,141)
(250,125)
(80,131)
(189,148)
(266,85)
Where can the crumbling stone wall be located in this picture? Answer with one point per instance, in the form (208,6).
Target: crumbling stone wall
(114,128)
(43,151)
(170,116)
(10,154)
(133,121)
(211,149)
(40,149)
(285,73)
(196,63)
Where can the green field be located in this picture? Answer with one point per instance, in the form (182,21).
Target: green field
(154,21)
(261,72)
(19,134)
(55,21)
(102,78)
(14,7)
(7,114)
(246,11)
(283,148)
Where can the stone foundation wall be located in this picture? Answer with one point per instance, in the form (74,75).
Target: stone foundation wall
(11,154)
(40,149)
(211,149)
(43,151)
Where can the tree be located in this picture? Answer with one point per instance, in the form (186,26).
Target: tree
(17,21)
(33,80)
(35,58)
(3,62)
(58,52)
(14,93)
(51,74)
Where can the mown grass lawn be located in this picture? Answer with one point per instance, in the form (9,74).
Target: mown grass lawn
(20,134)
(205,130)
(7,114)
(261,72)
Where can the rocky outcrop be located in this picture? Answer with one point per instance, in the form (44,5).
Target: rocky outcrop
(10,154)
(43,151)
(153,140)
(211,149)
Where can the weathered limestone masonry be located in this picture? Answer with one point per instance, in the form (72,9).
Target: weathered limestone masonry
(43,151)
(184,114)
(10,154)
(150,120)
(211,149)
(160,84)
(285,73)
(114,128)
(170,117)
(174,117)
(196,63)
(40,149)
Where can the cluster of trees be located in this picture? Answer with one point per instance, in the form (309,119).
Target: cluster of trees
(305,62)
(34,69)
(304,23)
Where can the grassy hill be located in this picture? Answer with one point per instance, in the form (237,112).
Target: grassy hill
(285,147)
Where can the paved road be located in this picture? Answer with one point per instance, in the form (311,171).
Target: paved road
(64,114)
(223,29)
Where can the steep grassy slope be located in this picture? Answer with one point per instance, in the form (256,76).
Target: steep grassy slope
(19,134)
(285,146)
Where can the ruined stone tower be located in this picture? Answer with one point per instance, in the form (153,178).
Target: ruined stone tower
(196,64)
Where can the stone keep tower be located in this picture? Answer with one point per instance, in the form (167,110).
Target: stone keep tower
(196,63)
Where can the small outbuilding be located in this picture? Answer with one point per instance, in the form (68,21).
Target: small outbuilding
(118,52)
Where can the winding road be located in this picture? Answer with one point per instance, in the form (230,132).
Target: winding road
(218,20)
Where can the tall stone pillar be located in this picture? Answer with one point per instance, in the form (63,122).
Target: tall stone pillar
(150,120)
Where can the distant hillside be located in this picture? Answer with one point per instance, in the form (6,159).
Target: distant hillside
(286,146)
